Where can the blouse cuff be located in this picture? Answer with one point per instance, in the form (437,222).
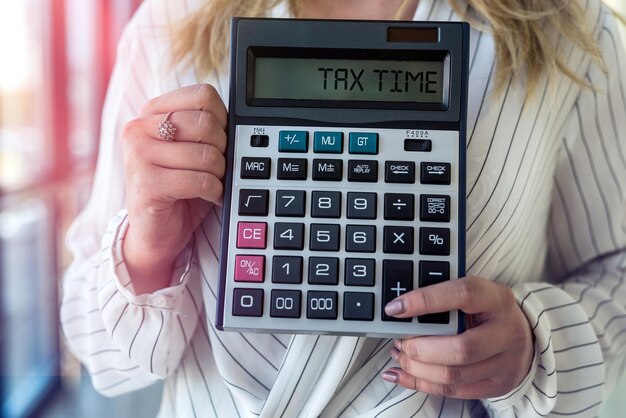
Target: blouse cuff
(166,298)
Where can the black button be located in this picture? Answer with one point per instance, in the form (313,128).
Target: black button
(286,269)
(398,239)
(325,204)
(435,173)
(430,273)
(360,272)
(399,206)
(285,304)
(247,302)
(292,168)
(435,241)
(361,205)
(329,170)
(361,238)
(324,237)
(434,208)
(253,202)
(321,305)
(363,171)
(255,168)
(400,172)
(290,203)
(358,306)
(288,236)
(397,280)
(323,270)
(420,145)
(259,141)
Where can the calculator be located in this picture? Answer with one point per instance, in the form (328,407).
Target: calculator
(345,178)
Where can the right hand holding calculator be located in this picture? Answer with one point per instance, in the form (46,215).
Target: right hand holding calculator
(345,183)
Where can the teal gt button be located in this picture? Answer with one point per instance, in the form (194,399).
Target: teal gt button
(328,142)
(293,141)
(363,143)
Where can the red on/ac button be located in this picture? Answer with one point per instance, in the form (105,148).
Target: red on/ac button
(249,268)
(251,234)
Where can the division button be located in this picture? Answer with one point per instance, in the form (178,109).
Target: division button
(251,234)
(292,168)
(285,303)
(328,142)
(400,172)
(420,145)
(321,305)
(399,206)
(286,269)
(327,170)
(249,268)
(435,241)
(397,280)
(430,273)
(324,270)
(247,302)
(259,141)
(288,236)
(253,202)
(255,168)
(363,143)
(293,141)
(290,203)
(435,173)
(360,272)
(398,240)
(363,171)
(434,208)
(358,306)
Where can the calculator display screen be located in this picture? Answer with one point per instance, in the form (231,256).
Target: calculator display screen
(408,81)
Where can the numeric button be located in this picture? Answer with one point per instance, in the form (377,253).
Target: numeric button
(287,269)
(290,203)
(285,304)
(288,236)
(324,270)
(321,305)
(361,205)
(361,238)
(247,302)
(360,272)
(325,204)
(324,237)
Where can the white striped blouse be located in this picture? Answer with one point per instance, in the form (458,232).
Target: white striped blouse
(546,190)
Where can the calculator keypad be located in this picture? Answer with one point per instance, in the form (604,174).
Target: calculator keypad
(329,225)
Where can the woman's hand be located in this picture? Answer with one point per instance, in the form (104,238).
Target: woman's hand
(489,359)
(170,185)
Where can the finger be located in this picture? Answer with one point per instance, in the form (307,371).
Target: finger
(187,156)
(171,185)
(202,97)
(191,126)
(479,390)
(451,374)
(471,294)
(474,345)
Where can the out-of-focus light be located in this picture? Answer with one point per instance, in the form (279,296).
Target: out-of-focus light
(19,53)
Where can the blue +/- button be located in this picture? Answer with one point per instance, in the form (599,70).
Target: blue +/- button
(363,143)
(293,141)
(330,142)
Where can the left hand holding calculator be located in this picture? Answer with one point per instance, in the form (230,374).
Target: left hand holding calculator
(345,182)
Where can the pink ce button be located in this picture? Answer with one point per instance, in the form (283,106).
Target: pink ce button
(251,234)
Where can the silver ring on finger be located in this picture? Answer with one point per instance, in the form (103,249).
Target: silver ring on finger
(166,129)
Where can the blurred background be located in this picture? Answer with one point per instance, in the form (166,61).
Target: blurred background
(55,61)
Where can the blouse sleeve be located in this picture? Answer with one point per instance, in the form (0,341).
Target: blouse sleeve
(579,316)
(126,341)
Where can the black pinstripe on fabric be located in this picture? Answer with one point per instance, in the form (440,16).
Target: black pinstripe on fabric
(130,348)
(304,368)
(184,371)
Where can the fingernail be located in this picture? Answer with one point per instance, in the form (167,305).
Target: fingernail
(390,376)
(394,353)
(394,307)
(397,344)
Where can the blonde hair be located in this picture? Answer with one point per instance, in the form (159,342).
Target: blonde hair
(524,33)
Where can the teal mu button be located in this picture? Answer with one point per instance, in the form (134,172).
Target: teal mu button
(293,141)
(329,142)
(363,143)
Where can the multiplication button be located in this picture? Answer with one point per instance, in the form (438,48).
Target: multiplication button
(398,240)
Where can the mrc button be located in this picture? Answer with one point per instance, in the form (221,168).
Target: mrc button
(435,173)
(255,168)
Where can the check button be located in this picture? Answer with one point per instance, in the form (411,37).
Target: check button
(400,172)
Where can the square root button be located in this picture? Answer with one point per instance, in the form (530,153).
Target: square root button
(251,234)
(249,268)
